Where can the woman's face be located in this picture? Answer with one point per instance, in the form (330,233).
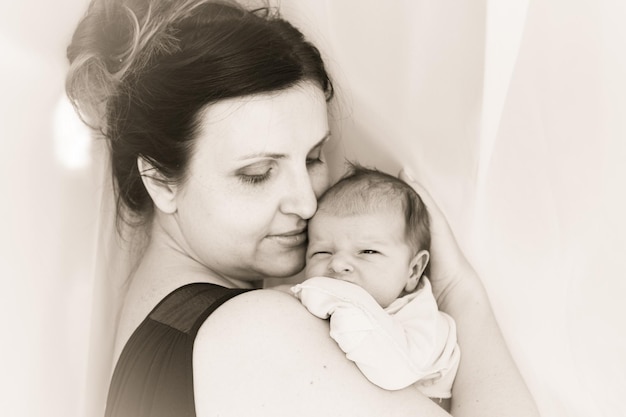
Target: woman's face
(253,182)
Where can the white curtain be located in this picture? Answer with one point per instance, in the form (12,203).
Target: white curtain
(510,112)
(514,115)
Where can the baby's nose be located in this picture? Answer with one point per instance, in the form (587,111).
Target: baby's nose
(340,265)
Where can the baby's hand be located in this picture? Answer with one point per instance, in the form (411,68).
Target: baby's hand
(323,296)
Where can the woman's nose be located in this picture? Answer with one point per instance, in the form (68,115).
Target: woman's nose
(299,197)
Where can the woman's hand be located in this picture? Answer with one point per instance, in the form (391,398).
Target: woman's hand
(448,265)
(488,382)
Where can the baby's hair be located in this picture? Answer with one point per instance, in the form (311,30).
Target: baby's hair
(365,190)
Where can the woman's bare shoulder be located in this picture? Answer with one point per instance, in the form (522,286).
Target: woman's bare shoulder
(262,353)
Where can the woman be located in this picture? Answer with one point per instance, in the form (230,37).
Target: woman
(217,119)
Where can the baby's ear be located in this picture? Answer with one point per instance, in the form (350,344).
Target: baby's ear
(162,191)
(416,269)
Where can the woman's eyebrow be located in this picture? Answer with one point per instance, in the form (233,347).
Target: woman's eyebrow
(281,155)
(263,155)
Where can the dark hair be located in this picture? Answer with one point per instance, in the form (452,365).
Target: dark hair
(143,70)
(364,190)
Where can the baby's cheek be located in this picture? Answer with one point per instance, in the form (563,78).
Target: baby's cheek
(311,269)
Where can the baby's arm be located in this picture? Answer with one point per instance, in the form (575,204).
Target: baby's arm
(392,354)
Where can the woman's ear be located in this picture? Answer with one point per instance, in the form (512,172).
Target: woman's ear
(162,192)
(416,269)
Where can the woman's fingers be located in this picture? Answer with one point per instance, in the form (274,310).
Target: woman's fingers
(447,262)
(435,212)
(438,220)
(406,176)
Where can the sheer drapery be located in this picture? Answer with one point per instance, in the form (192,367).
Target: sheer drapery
(510,112)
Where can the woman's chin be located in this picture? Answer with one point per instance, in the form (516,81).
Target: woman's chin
(285,266)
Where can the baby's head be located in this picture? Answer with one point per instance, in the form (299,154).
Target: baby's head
(371,229)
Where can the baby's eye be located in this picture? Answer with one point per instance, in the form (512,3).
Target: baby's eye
(369,252)
(320,253)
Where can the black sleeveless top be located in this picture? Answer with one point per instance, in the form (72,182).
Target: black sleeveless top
(154,374)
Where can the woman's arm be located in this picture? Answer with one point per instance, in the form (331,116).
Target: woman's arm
(263,354)
(488,382)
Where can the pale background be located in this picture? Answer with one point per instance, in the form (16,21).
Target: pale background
(512,112)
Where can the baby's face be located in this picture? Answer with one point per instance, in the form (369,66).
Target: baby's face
(368,250)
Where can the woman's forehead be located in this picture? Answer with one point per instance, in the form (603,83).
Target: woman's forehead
(276,123)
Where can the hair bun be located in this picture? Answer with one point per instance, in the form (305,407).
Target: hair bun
(113,39)
(91,78)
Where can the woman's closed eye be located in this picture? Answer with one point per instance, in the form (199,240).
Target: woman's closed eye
(313,161)
(255,174)
(315,156)
(255,179)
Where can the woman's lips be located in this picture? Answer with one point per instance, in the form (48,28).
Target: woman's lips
(290,239)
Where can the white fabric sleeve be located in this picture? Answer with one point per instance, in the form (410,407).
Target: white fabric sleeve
(392,349)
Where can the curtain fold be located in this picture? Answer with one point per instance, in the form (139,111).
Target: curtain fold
(512,114)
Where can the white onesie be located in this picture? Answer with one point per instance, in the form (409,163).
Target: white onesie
(409,342)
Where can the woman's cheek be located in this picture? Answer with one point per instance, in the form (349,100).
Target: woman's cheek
(320,180)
